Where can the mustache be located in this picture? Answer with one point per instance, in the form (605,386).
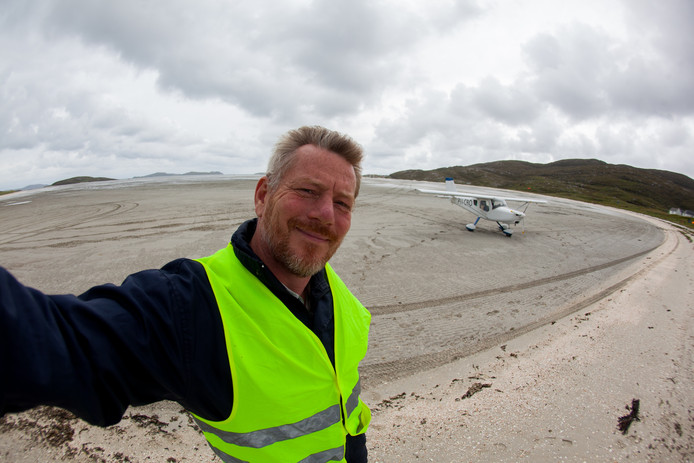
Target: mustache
(314,227)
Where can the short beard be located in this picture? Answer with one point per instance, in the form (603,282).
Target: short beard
(302,266)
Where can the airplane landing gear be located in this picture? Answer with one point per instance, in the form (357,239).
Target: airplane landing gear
(472,226)
(505,229)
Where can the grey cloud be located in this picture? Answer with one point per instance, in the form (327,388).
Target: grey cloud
(658,77)
(569,72)
(676,136)
(273,59)
(646,89)
(667,25)
(540,137)
(584,72)
(359,45)
(585,93)
(509,104)
(145,33)
(424,117)
(449,126)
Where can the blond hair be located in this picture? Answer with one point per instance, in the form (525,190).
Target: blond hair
(330,140)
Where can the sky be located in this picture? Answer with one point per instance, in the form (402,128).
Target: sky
(131,87)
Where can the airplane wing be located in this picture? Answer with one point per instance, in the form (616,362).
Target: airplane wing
(524,200)
(444,193)
(468,195)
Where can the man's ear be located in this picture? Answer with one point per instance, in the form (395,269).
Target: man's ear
(261,190)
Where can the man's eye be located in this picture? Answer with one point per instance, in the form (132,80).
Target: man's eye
(344,205)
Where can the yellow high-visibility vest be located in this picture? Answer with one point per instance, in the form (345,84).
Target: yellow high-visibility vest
(290,404)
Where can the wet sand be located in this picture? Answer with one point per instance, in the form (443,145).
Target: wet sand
(481,348)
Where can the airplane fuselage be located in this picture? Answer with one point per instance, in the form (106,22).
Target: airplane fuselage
(490,209)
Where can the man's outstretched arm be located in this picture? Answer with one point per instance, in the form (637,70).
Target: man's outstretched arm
(113,346)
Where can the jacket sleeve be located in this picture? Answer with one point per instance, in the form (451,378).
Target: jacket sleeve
(113,346)
(356,451)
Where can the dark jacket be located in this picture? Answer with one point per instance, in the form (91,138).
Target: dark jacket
(150,339)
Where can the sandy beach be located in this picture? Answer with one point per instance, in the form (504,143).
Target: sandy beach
(482,348)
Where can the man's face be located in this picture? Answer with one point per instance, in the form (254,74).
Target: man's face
(303,221)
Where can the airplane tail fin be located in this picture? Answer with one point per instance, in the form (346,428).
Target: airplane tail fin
(450,184)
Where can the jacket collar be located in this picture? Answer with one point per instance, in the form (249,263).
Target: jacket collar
(241,242)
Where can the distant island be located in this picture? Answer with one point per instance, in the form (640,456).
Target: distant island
(84,179)
(70,181)
(164,174)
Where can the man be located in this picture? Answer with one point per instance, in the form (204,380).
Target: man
(260,342)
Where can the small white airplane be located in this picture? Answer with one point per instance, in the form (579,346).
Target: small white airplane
(492,208)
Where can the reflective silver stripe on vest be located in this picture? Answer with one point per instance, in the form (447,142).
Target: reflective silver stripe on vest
(263,437)
(325,456)
(225,457)
(353,400)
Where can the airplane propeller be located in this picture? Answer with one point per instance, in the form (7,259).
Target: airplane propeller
(523,219)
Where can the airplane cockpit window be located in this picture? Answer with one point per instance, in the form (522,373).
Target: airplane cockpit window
(483,205)
(497,203)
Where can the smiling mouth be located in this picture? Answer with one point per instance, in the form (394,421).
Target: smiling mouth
(315,233)
(313,236)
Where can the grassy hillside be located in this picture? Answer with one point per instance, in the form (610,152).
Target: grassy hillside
(647,191)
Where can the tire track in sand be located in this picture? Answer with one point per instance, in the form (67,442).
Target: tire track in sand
(408,306)
(379,372)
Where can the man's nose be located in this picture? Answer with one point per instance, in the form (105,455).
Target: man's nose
(323,209)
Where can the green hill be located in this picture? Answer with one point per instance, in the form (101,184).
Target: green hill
(648,191)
